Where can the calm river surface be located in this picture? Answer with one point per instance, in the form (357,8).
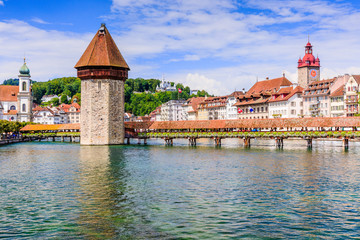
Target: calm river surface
(68,191)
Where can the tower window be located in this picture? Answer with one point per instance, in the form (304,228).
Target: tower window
(24,107)
(24,86)
(12,107)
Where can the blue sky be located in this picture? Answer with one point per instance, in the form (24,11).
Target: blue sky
(217,45)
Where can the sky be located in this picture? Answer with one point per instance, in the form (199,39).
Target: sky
(216,45)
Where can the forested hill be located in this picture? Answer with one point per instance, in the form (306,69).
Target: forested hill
(141,97)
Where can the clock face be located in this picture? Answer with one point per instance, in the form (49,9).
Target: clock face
(313,73)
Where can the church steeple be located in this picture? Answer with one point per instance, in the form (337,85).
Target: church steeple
(25,100)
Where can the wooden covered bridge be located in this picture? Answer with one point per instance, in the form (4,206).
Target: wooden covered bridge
(246,129)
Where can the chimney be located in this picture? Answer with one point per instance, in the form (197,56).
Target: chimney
(267,78)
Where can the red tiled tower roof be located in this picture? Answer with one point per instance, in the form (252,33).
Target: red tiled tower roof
(102,51)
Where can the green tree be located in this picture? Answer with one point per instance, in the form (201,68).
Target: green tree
(55,101)
(63,99)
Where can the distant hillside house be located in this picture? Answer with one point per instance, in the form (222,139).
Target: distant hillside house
(48,98)
(165,87)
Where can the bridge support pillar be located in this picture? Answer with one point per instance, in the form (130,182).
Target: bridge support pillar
(192,142)
(62,138)
(53,139)
(279,142)
(217,141)
(145,141)
(139,141)
(127,141)
(70,139)
(309,143)
(247,142)
(346,143)
(168,141)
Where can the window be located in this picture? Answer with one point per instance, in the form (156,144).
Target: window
(12,107)
(24,86)
(24,107)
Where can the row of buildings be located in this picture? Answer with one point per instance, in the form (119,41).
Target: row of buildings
(275,98)
(271,98)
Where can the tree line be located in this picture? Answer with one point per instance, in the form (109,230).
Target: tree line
(141,97)
(7,127)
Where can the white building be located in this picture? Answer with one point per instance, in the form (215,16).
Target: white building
(195,92)
(48,98)
(351,95)
(46,116)
(165,86)
(17,100)
(316,98)
(231,109)
(286,103)
(337,102)
(173,111)
(24,96)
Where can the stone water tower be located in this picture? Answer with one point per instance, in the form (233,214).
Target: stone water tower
(103,71)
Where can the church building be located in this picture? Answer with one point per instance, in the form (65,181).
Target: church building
(17,101)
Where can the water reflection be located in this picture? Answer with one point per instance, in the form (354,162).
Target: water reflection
(155,192)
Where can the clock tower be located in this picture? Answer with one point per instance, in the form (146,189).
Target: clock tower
(308,67)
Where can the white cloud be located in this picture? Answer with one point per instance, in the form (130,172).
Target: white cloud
(39,20)
(49,53)
(1,3)
(260,43)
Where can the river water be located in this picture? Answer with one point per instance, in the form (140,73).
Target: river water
(68,191)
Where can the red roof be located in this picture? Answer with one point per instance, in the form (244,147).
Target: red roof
(102,51)
(272,85)
(11,112)
(338,92)
(194,102)
(8,93)
(286,94)
(357,78)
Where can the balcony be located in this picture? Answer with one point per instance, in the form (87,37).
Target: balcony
(314,109)
(314,104)
(351,100)
(351,110)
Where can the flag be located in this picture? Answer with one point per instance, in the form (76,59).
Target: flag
(250,109)
(180,91)
(240,110)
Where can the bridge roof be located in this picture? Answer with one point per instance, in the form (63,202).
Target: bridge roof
(51,127)
(258,123)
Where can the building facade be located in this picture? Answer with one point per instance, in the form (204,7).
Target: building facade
(286,103)
(351,96)
(254,104)
(316,98)
(173,111)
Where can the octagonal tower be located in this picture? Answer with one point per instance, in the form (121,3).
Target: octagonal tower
(103,71)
